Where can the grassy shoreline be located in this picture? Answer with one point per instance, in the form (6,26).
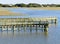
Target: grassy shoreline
(43,8)
(37,8)
(4,12)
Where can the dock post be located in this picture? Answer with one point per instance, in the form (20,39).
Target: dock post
(13,28)
(30,28)
(55,21)
(1,28)
(7,27)
(33,25)
(36,28)
(24,27)
(18,27)
(45,27)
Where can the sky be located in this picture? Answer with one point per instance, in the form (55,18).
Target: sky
(30,1)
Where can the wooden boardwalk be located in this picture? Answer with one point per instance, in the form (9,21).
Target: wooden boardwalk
(26,22)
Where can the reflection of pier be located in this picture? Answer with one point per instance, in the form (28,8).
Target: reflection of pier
(13,23)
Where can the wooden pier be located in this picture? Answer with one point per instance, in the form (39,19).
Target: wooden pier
(6,23)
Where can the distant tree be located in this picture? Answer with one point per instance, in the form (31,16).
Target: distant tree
(13,5)
(44,5)
(23,5)
(30,5)
(20,5)
(58,5)
(52,5)
(17,5)
(6,5)
(0,5)
(33,5)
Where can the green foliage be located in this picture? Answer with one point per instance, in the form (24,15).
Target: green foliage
(23,5)
(57,5)
(4,5)
(30,5)
(20,5)
(44,5)
(33,5)
(0,5)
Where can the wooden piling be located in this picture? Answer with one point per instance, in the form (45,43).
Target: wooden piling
(12,28)
(18,28)
(1,28)
(45,27)
(36,28)
(7,27)
(30,28)
(24,27)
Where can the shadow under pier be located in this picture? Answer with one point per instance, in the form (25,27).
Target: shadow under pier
(24,26)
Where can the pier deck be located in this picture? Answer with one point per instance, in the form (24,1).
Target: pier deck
(26,22)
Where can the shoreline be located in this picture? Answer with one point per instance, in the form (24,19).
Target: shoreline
(37,8)
(6,12)
(43,8)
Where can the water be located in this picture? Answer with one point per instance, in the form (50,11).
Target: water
(50,37)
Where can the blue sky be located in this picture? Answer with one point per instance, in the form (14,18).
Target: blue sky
(30,1)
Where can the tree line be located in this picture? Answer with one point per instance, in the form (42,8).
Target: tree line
(30,5)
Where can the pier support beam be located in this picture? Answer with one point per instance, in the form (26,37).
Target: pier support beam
(36,28)
(30,28)
(24,27)
(7,28)
(45,27)
(55,21)
(18,27)
(1,28)
(13,28)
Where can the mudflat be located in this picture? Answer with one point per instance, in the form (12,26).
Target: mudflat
(4,12)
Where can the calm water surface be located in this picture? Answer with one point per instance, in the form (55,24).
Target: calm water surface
(50,37)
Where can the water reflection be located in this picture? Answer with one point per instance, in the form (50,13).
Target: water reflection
(25,33)
(19,34)
(46,34)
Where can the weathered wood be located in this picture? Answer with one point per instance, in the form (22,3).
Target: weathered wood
(27,22)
